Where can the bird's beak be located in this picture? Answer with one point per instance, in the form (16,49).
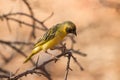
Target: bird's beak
(75,33)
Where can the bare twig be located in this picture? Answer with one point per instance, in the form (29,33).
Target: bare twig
(48,18)
(75,60)
(78,52)
(18,21)
(68,65)
(32,17)
(25,74)
(32,14)
(16,42)
(4,76)
(27,15)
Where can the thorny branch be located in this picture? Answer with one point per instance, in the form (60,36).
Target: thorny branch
(41,23)
(39,69)
(8,17)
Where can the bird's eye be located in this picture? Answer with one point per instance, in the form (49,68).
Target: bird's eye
(74,29)
(68,30)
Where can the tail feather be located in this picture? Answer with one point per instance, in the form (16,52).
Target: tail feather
(34,51)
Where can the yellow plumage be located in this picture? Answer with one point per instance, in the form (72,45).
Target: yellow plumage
(52,37)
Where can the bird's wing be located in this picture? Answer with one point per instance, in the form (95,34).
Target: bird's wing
(50,34)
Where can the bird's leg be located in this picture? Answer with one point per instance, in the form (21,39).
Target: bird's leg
(52,55)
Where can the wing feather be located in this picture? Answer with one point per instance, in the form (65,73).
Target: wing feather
(50,34)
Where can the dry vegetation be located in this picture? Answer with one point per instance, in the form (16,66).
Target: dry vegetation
(22,22)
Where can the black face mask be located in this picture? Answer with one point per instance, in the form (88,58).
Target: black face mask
(71,30)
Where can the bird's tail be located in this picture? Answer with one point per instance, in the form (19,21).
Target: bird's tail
(34,51)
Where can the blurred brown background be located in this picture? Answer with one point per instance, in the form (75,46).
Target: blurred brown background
(98,28)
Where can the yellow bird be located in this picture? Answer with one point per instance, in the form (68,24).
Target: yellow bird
(52,37)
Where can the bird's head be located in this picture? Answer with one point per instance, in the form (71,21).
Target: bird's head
(70,27)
